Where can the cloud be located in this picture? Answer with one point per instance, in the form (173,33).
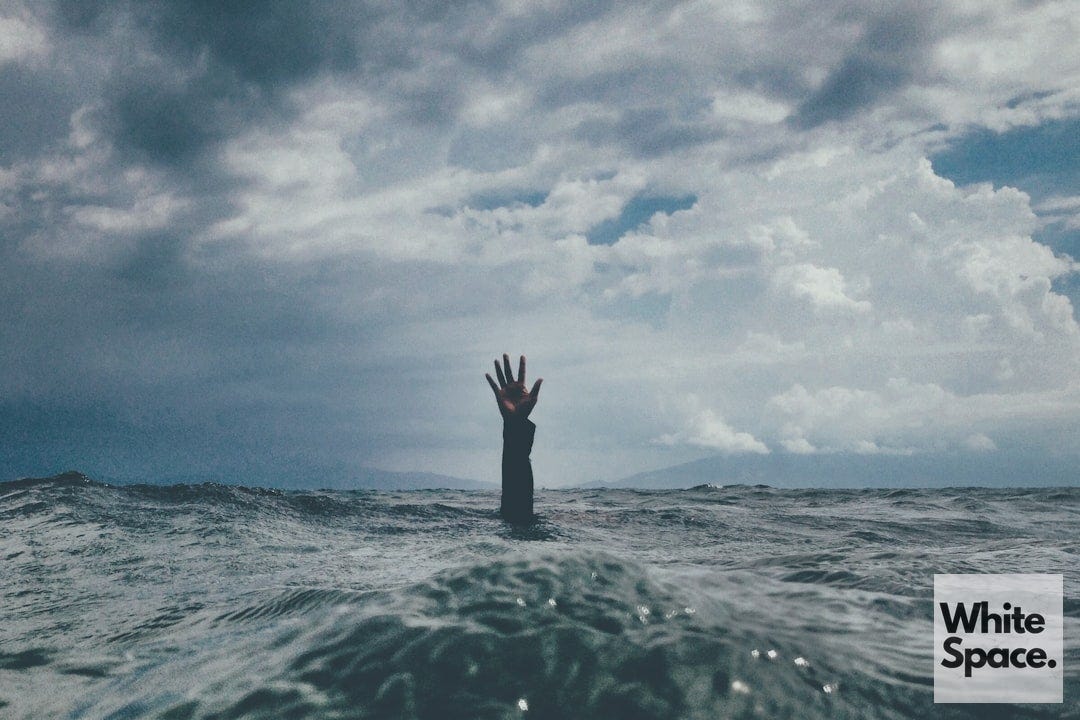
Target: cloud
(902,417)
(850,419)
(885,58)
(704,428)
(21,38)
(647,132)
(824,288)
(979,442)
(259,241)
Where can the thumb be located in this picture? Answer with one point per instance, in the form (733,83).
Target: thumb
(535,392)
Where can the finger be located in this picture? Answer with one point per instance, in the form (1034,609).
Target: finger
(535,392)
(521,370)
(499,374)
(506,367)
(494,387)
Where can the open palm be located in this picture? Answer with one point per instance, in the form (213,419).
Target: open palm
(515,402)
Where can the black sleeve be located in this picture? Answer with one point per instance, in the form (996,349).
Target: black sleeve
(517,477)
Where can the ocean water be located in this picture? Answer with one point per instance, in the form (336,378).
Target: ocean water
(215,601)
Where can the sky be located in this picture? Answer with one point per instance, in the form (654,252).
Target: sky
(270,242)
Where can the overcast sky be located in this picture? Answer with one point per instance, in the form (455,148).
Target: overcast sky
(289,239)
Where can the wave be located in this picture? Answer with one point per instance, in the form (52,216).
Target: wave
(577,635)
(218,601)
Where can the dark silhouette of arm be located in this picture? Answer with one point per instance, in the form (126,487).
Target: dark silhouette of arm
(517,477)
(515,404)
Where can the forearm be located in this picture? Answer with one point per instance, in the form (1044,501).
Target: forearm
(517,477)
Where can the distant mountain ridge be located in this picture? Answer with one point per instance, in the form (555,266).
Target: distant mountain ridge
(840,470)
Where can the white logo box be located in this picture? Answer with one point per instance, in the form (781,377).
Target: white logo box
(1024,638)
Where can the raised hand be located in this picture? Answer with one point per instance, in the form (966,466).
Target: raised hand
(515,402)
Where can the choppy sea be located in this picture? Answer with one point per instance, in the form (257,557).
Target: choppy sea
(214,601)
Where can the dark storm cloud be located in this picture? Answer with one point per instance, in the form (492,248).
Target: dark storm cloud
(188,75)
(133,349)
(192,74)
(169,125)
(773,79)
(660,107)
(213,67)
(501,46)
(491,149)
(648,132)
(267,43)
(165,358)
(886,57)
(169,304)
(34,111)
(81,15)
(624,86)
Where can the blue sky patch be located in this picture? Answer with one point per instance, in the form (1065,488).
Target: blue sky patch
(492,200)
(1042,161)
(636,213)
